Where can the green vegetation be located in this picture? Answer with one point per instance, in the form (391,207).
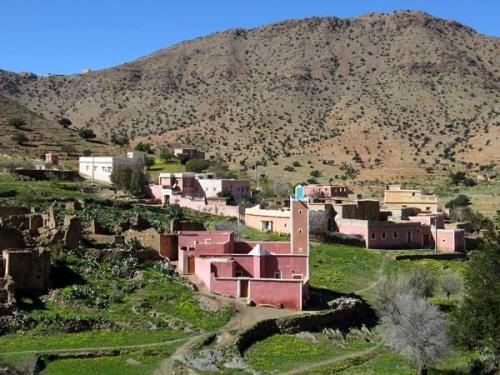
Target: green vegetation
(477,321)
(41,193)
(132,180)
(280,353)
(197,165)
(144,362)
(86,133)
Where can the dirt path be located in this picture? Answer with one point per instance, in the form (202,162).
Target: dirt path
(331,361)
(95,349)
(243,319)
(380,275)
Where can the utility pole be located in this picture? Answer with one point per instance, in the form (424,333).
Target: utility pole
(436,234)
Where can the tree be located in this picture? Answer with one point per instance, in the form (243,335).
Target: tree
(415,329)
(149,161)
(197,165)
(17,122)
(130,179)
(19,138)
(281,189)
(64,122)
(477,321)
(86,133)
(166,154)
(120,138)
(144,147)
(138,180)
(460,200)
(420,282)
(450,283)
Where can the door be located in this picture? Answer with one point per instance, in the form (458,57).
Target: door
(191,265)
(426,240)
(244,288)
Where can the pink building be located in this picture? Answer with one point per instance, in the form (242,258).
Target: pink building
(364,219)
(52,159)
(267,273)
(325,191)
(191,185)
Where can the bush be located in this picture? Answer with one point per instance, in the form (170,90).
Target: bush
(19,138)
(197,165)
(64,122)
(86,133)
(460,200)
(144,147)
(17,122)
(120,138)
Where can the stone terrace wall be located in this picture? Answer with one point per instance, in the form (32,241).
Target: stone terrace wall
(354,313)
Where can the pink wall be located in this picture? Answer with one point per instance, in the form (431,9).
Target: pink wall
(153,191)
(200,205)
(189,238)
(225,287)
(450,240)
(203,270)
(396,235)
(428,220)
(279,292)
(272,247)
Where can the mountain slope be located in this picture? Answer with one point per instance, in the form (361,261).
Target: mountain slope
(388,92)
(44,136)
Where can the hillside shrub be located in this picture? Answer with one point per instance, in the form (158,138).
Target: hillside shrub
(197,165)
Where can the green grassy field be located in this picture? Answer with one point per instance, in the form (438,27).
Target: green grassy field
(344,268)
(162,166)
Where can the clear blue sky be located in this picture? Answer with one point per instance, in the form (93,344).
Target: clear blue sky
(65,36)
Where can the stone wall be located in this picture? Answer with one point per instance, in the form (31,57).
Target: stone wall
(29,269)
(347,313)
(11,239)
(5,212)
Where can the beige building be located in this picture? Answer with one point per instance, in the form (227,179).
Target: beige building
(267,220)
(395,197)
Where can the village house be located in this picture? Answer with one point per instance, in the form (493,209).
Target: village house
(266,273)
(201,192)
(99,168)
(379,230)
(395,197)
(325,191)
(188,153)
(277,220)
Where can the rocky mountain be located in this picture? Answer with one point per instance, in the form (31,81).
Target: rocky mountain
(377,94)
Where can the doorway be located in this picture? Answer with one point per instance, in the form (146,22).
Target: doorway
(244,284)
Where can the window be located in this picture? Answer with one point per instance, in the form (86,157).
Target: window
(383,235)
(412,194)
(277,275)
(300,230)
(372,235)
(300,249)
(300,211)
(395,235)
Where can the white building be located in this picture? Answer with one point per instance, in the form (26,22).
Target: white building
(99,168)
